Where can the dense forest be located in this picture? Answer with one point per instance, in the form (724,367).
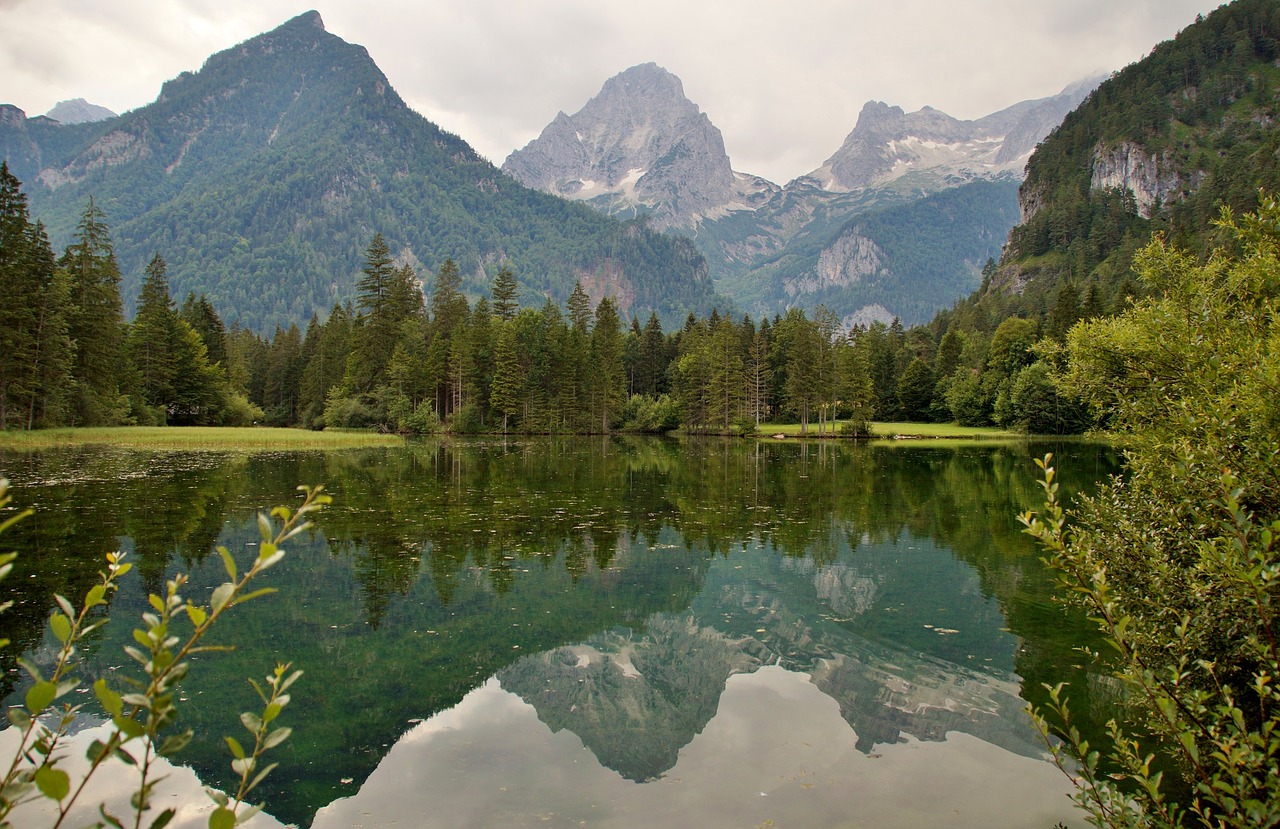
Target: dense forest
(400,361)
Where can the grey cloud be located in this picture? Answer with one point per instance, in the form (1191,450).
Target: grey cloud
(784,82)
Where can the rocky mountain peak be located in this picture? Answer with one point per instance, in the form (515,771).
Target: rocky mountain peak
(888,143)
(79,111)
(639,147)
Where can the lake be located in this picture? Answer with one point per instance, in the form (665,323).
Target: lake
(600,632)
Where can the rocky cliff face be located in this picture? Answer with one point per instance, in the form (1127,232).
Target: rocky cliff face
(640,147)
(1152,179)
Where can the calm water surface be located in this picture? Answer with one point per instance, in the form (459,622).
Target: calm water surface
(610,633)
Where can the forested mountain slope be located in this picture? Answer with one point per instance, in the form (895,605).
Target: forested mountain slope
(262,177)
(1163,145)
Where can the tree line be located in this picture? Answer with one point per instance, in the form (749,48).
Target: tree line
(401,360)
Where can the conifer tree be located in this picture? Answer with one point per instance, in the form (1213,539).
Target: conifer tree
(506,393)
(607,374)
(151,340)
(756,376)
(200,314)
(35,349)
(96,324)
(578,306)
(505,294)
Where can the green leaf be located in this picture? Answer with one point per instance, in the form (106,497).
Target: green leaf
(221,596)
(276,737)
(95,751)
(228,562)
(222,818)
(53,783)
(236,749)
(19,718)
(30,668)
(197,614)
(270,561)
(251,722)
(175,743)
(9,522)
(129,727)
(289,680)
(137,700)
(40,696)
(111,819)
(61,627)
(65,605)
(264,527)
(162,819)
(260,777)
(272,711)
(265,591)
(96,596)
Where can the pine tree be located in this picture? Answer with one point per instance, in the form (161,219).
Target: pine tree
(201,315)
(506,393)
(505,294)
(724,382)
(372,288)
(579,308)
(151,340)
(756,376)
(96,324)
(607,374)
(448,305)
(35,349)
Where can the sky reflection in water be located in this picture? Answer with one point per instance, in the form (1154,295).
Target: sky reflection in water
(706,634)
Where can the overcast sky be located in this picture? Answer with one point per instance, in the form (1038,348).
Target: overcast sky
(784,80)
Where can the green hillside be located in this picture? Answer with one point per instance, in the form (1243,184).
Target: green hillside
(1195,124)
(261,178)
(927,252)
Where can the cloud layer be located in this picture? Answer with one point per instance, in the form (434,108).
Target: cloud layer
(783,81)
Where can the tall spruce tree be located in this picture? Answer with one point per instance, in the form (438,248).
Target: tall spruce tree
(151,340)
(607,375)
(35,350)
(507,391)
(505,294)
(96,323)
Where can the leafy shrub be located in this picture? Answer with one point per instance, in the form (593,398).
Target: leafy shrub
(143,716)
(1179,560)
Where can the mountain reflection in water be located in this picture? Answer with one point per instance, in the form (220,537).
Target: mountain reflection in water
(615,632)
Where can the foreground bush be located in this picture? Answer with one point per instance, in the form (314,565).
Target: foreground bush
(1179,561)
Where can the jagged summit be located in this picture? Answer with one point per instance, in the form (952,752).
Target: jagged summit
(639,146)
(888,143)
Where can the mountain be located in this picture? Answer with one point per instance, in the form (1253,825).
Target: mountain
(929,150)
(639,147)
(79,111)
(869,233)
(262,178)
(896,223)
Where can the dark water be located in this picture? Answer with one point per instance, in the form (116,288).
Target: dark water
(601,632)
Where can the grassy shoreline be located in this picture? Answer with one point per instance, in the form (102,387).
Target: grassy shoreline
(228,438)
(890,431)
